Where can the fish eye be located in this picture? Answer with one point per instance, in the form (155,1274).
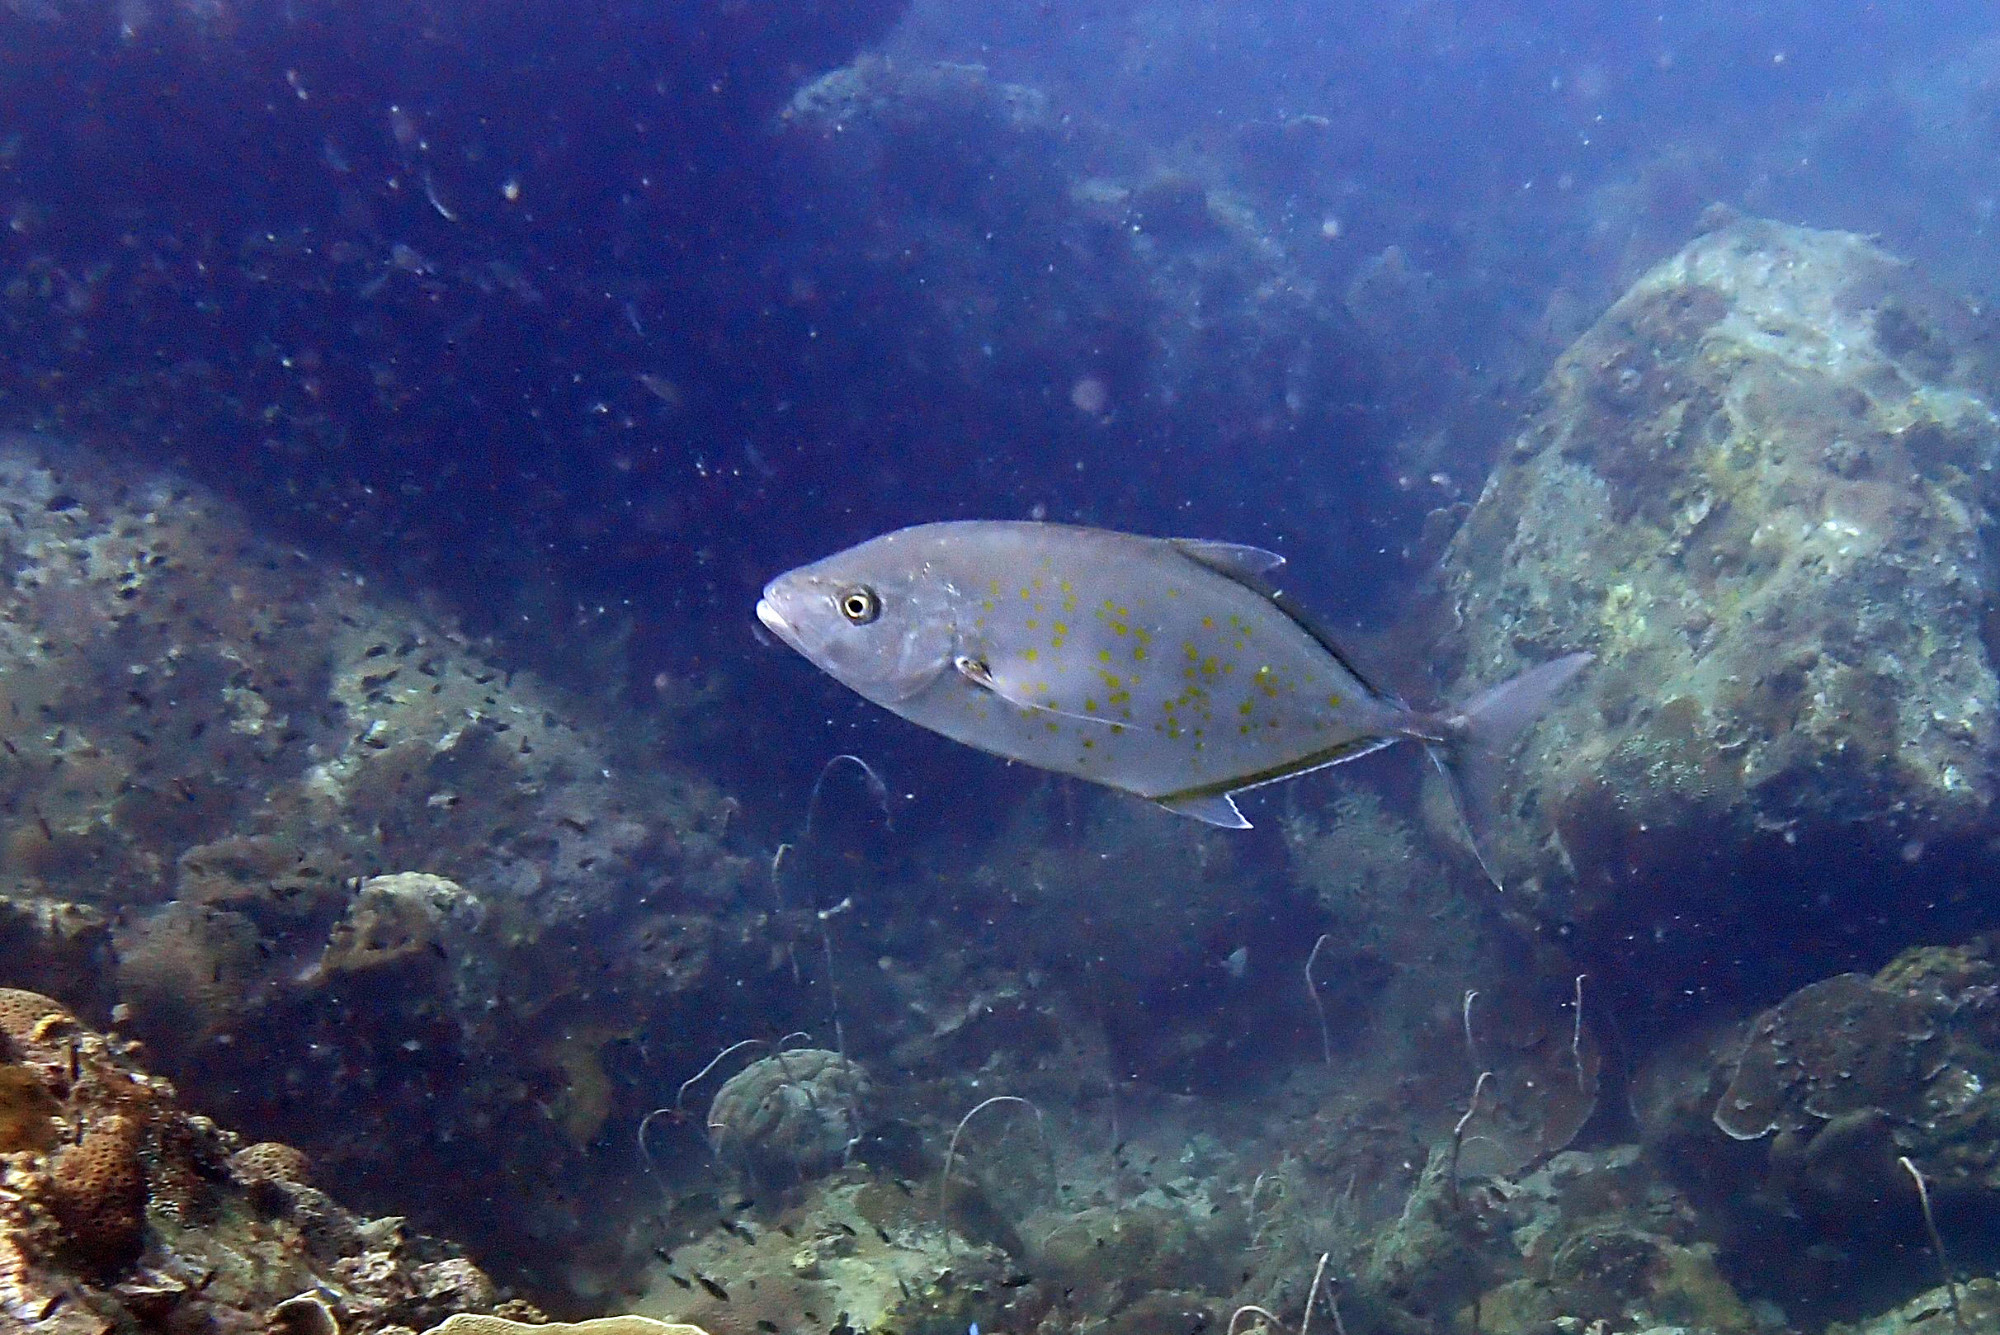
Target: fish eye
(859,604)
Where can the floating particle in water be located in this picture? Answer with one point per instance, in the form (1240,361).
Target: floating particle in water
(1090,395)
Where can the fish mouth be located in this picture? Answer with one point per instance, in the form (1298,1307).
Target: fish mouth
(774,621)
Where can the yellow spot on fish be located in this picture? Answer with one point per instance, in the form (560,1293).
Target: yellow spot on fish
(1088,743)
(1031,654)
(1089,705)
(1033,624)
(1208,623)
(1208,666)
(1333,699)
(1139,653)
(1245,708)
(1104,655)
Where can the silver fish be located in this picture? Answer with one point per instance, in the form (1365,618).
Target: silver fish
(1164,667)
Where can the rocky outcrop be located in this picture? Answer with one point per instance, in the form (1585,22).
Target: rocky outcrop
(1759,489)
(357,886)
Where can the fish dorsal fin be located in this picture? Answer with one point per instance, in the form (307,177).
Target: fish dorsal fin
(1215,808)
(1234,559)
(980,673)
(1249,566)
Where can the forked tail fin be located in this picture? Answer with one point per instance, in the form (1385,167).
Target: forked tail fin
(1479,733)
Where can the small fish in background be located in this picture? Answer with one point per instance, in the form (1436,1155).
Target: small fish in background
(1236,964)
(1163,667)
(661,388)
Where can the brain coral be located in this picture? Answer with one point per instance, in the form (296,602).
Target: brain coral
(792,1114)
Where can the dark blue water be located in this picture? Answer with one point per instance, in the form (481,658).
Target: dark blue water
(278,244)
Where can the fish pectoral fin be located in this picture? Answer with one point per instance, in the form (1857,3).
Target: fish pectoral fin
(981,674)
(1215,808)
(1233,559)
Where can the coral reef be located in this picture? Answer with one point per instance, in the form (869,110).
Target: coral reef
(149,1217)
(1832,1086)
(1800,1135)
(791,1115)
(1758,490)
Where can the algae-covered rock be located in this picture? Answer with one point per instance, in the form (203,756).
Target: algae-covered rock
(397,919)
(213,747)
(1931,1313)
(1758,489)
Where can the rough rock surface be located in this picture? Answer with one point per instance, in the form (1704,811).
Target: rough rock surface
(150,1218)
(1759,490)
(357,886)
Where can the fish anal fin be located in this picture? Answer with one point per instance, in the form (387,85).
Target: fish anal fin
(1214,808)
(1233,559)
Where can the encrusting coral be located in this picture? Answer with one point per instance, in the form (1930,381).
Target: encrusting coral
(150,1217)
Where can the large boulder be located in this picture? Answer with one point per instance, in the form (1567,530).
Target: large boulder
(1758,488)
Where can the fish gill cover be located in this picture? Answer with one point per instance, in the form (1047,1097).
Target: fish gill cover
(404,404)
